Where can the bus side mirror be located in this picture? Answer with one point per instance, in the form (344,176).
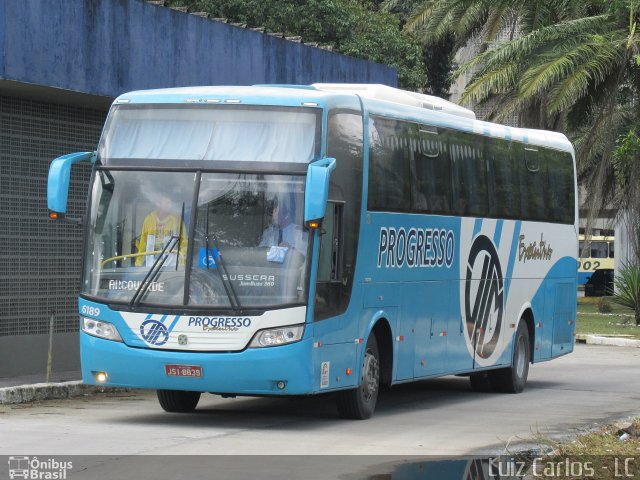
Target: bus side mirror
(58,183)
(317,191)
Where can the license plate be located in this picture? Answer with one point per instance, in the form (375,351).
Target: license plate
(194,371)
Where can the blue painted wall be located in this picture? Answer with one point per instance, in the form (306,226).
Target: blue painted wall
(3,7)
(107,47)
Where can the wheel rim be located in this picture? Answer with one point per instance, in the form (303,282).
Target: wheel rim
(370,376)
(521,360)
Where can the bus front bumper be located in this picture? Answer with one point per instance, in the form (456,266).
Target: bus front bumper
(254,371)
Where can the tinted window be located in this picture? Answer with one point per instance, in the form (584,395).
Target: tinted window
(335,280)
(560,202)
(432,176)
(427,169)
(505,173)
(532,185)
(469,175)
(390,144)
(599,250)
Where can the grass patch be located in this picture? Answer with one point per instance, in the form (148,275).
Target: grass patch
(619,322)
(590,305)
(600,449)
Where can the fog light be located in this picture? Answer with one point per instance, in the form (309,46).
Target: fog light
(281,384)
(101,377)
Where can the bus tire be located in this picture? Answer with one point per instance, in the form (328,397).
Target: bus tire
(359,403)
(514,378)
(178,401)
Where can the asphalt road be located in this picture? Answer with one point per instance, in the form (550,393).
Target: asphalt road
(593,385)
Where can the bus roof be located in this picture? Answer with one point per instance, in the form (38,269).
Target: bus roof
(380,99)
(257,94)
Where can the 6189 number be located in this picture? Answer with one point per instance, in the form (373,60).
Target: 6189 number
(89,310)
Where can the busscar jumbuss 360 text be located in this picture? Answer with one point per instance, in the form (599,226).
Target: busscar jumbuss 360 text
(297,240)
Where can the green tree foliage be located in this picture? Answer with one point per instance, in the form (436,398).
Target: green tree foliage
(627,284)
(438,54)
(351,27)
(438,59)
(483,19)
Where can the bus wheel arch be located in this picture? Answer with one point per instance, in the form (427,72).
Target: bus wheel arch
(374,371)
(513,379)
(384,337)
(359,403)
(527,317)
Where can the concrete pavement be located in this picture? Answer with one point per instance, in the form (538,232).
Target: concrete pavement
(595,384)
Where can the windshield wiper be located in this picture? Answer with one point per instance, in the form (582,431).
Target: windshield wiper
(180,236)
(222,271)
(154,270)
(160,261)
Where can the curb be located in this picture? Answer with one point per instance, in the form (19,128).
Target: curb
(608,341)
(50,391)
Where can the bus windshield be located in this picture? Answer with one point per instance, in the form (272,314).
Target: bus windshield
(242,245)
(210,133)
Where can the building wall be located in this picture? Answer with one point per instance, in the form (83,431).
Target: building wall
(40,260)
(108,47)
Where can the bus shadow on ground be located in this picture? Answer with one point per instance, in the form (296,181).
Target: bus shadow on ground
(285,411)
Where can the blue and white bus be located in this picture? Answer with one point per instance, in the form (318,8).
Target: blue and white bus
(298,240)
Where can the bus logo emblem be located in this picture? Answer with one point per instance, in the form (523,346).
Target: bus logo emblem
(484,297)
(154,332)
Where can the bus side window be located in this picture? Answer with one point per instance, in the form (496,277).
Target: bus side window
(469,172)
(532,184)
(504,173)
(599,250)
(432,174)
(389,167)
(559,167)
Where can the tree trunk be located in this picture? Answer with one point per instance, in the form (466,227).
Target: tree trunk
(637,314)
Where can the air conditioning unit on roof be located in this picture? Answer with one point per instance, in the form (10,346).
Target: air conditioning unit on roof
(395,95)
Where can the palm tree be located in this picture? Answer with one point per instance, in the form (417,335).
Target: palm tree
(484,20)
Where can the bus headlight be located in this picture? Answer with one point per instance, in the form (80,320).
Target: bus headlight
(277,336)
(100,329)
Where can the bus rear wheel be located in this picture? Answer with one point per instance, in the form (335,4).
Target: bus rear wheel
(359,403)
(178,401)
(514,378)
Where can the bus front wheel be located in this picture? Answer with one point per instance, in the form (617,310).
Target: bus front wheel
(359,403)
(178,401)
(514,378)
